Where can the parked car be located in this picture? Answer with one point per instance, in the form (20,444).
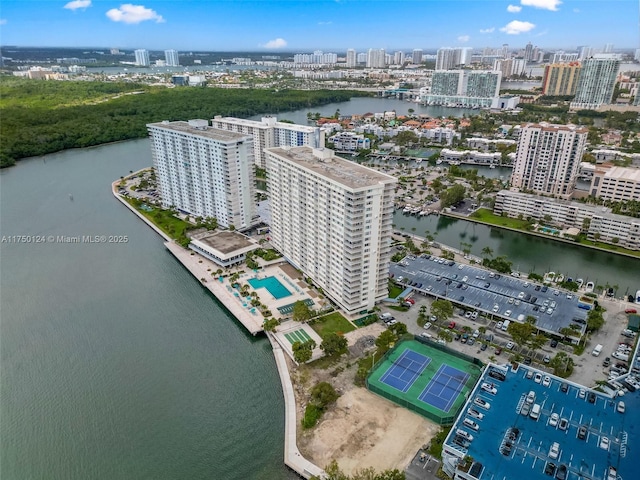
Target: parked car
(582,432)
(554,419)
(554,343)
(546,359)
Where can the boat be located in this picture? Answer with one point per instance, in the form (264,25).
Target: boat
(492,166)
(438,162)
(590,286)
(580,282)
(638,296)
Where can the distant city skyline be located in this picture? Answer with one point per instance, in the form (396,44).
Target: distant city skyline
(336,25)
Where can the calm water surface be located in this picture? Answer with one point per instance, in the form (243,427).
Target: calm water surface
(115,362)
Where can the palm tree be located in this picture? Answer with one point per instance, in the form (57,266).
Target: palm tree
(487,251)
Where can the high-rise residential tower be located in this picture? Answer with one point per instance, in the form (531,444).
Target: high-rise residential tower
(561,78)
(416,57)
(597,82)
(204,171)
(376,58)
(332,219)
(142,57)
(548,158)
(171,58)
(352,59)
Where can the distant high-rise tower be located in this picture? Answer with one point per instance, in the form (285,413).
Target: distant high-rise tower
(398,58)
(548,158)
(332,219)
(447,58)
(561,78)
(528,52)
(171,58)
(597,81)
(416,57)
(352,59)
(584,52)
(205,172)
(608,48)
(142,57)
(376,58)
(505,50)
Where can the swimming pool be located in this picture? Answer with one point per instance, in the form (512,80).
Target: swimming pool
(272,284)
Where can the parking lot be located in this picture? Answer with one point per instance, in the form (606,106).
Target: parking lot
(502,297)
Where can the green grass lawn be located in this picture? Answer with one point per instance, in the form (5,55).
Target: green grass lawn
(332,323)
(394,290)
(485,215)
(164,220)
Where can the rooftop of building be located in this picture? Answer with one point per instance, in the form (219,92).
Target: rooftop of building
(529,454)
(225,242)
(555,127)
(325,163)
(623,173)
(200,129)
(265,122)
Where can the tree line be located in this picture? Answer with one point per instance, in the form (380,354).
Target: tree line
(40,117)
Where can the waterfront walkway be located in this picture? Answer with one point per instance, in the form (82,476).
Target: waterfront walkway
(292,456)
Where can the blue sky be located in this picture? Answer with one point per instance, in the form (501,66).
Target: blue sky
(330,25)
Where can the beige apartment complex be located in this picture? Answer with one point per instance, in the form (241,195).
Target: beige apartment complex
(548,158)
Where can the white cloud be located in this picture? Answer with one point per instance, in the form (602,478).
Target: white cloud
(513,8)
(516,27)
(275,43)
(128,13)
(75,4)
(542,4)
(488,30)
(325,23)
(464,38)
(3,21)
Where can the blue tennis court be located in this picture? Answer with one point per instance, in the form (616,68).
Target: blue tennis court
(443,389)
(405,370)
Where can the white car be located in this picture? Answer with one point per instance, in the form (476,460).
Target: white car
(554,419)
(496,307)
(546,381)
(510,346)
(474,315)
(464,434)
(460,267)
(604,443)
(427,325)
(507,313)
(489,388)
(554,451)
(582,393)
(620,407)
(475,413)
(482,403)
(521,295)
(537,377)
(465,278)
(467,422)
(499,325)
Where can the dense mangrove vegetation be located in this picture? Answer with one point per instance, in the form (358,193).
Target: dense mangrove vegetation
(40,117)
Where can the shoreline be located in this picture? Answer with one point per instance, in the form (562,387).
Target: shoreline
(292,456)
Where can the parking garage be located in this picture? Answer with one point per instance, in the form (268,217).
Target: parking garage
(497,295)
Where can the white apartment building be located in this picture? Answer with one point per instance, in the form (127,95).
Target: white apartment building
(349,142)
(171,58)
(416,56)
(596,82)
(615,183)
(602,224)
(376,58)
(548,158)
(352,58)
(463,88)
(268,132)
(332,219)
(204,171)
(142,57)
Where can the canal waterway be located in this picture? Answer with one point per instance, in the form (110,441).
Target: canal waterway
(527,252)
(115,363)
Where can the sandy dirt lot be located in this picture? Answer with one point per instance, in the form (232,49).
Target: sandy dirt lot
(361,429)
